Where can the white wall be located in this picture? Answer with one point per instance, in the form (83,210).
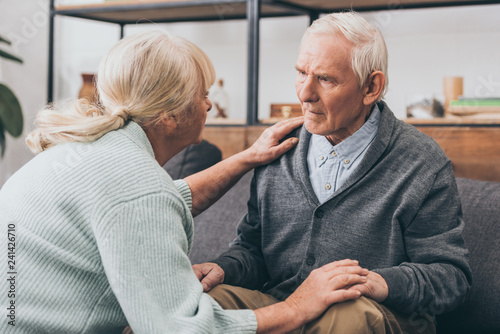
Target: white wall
(424,46)
(25,23)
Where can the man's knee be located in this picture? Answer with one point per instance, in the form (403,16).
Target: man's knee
(361,313)
(237,298)
(220,289)
(225,296)
(360,316)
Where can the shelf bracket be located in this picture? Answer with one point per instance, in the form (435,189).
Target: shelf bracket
(253,17)
(50,74)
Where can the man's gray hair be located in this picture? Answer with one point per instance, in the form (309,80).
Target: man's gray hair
(369,53)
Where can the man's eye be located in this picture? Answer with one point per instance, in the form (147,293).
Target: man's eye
(324,79)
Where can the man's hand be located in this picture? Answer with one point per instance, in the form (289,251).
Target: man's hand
(375,287)
(209,274)
(325,286)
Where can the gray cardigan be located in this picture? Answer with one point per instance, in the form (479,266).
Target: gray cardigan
(399,214)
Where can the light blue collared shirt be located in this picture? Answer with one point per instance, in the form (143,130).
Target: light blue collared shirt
(330,166)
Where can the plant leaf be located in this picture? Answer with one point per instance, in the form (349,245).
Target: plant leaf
(10,112)
(7,55)
(4,40)
(2,140)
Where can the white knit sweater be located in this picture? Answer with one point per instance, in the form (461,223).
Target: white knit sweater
(102,236)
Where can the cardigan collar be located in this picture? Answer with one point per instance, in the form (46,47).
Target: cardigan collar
(376,149)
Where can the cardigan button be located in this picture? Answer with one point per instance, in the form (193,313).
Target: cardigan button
(310,260)
(319,214)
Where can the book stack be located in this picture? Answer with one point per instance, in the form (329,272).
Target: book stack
(482,107)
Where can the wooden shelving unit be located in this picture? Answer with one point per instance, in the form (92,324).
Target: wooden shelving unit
(147,11)
(135,12)
(473,144)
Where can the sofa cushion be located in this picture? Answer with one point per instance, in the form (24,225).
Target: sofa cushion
(215,228)
(193,159)
(481,311)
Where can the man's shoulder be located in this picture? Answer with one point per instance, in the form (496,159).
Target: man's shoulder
(412,139)
(286,162)
(406,138)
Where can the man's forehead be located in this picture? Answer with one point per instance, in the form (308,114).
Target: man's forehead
(324,53)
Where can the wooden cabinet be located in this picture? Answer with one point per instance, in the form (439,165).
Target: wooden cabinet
(233,139)
(473,146)
(473,149)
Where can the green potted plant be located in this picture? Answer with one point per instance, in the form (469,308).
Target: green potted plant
(11,116)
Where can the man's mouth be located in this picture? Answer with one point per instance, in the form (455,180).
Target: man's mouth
(316,112)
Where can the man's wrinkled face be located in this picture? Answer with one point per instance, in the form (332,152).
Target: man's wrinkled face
(328,90)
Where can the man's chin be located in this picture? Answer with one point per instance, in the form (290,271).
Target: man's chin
(313,127)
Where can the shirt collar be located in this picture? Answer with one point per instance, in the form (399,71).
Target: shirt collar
(350,149)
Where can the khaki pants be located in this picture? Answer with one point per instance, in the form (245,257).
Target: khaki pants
(359,316)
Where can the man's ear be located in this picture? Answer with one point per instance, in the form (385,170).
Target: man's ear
(373,87)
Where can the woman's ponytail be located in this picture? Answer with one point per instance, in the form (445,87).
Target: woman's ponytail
(81,121)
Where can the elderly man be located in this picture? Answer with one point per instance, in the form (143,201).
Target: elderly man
(360,184)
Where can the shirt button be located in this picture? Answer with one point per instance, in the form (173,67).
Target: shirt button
(321,158)
(310,260)
(334,153)
(319,214)
(347,161)
(328,186)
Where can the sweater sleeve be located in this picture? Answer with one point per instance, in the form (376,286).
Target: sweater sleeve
(243,263)
(143,246)
(185,192)
(437,276)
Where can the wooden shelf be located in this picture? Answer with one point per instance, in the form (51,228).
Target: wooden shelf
(487,120)
(128,12)
(131,12)
(369,5)
(226,121)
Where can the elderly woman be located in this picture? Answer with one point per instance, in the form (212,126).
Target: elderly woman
(100,234)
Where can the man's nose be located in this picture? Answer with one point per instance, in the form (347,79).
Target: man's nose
(308,90)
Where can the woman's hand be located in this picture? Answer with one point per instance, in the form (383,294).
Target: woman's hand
(269,146)
(209,185)
(323,287)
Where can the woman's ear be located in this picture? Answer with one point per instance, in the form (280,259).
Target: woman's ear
(169,121)
(374,87)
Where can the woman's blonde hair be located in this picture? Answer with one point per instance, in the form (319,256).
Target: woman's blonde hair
(142,78)
(370,51)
